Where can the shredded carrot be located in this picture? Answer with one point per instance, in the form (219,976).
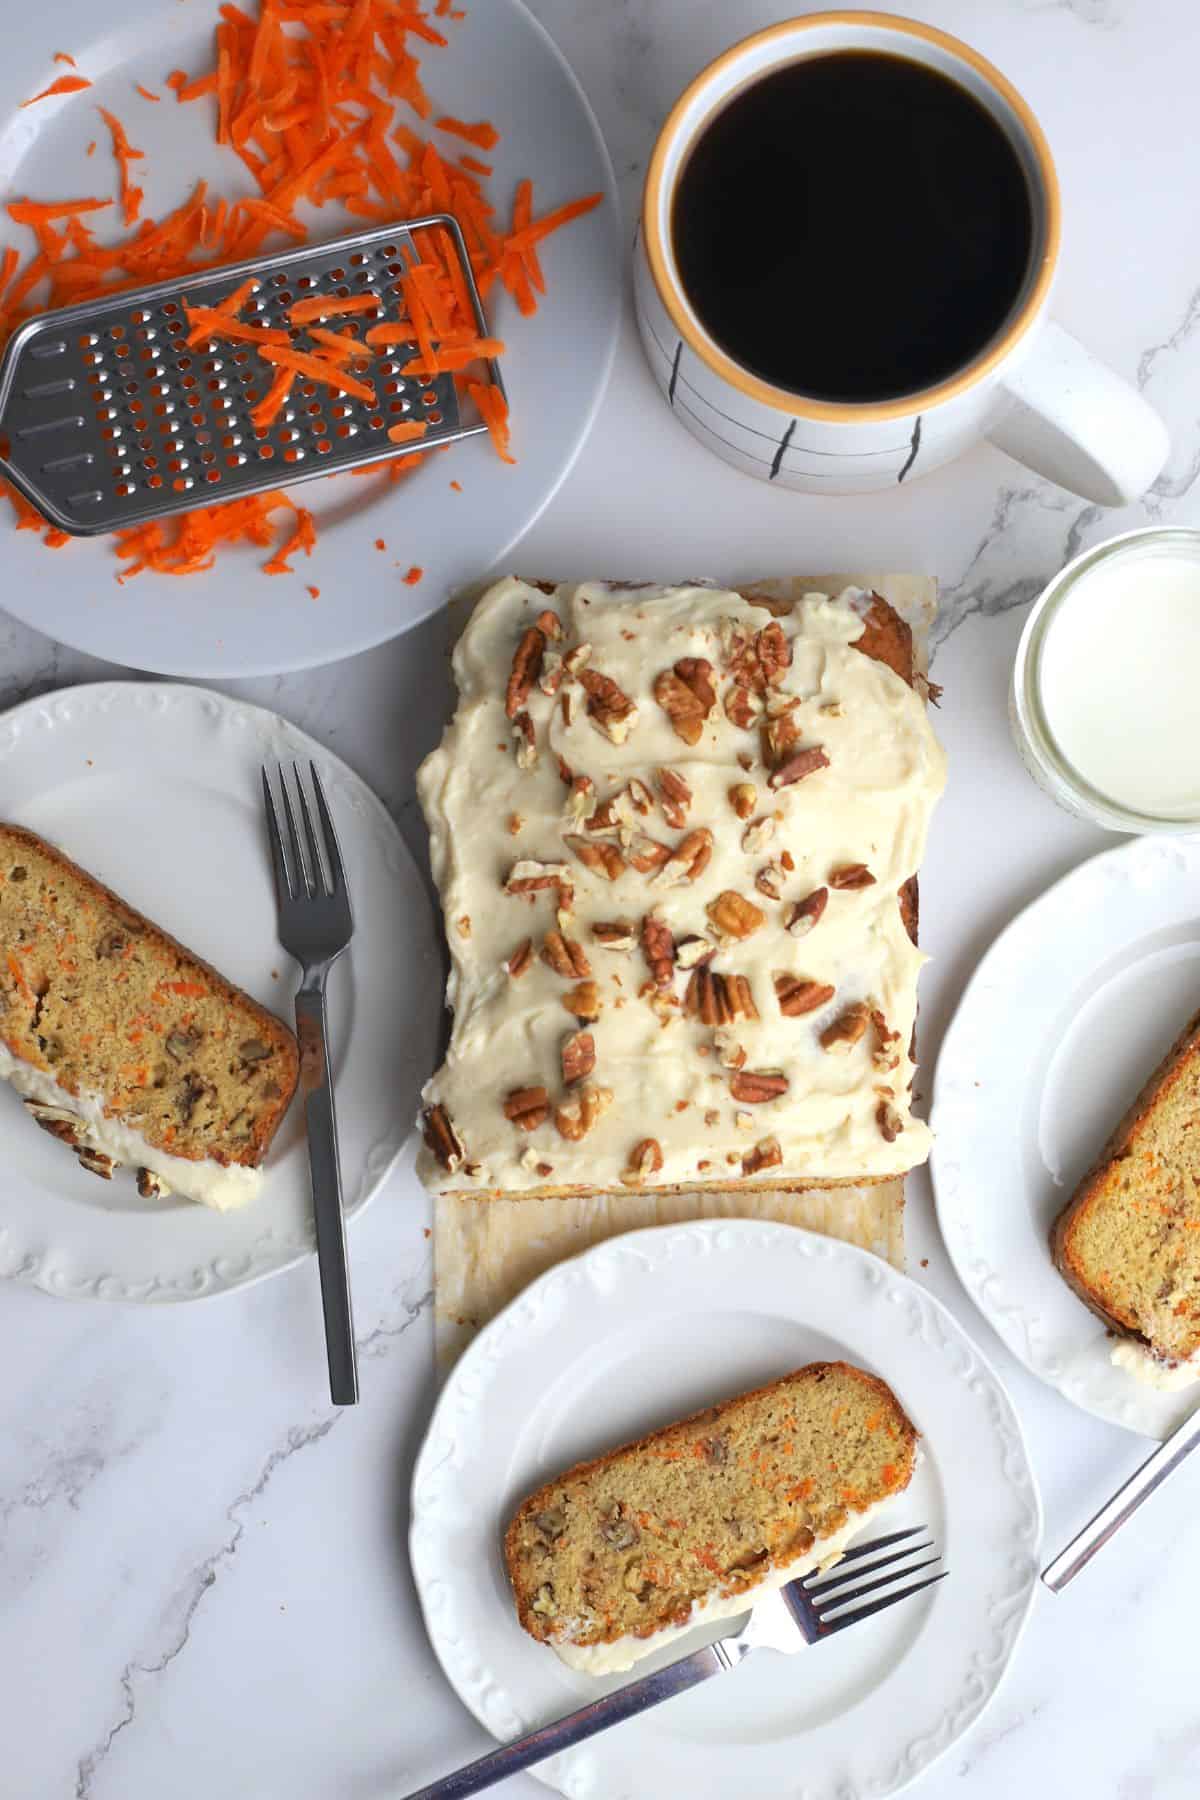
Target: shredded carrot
(407,430)
(8,267)
(304,538)
(379,544)
(493,410)
(317,369)
(34,212)
(483,135)
(66,84)
(123,150)
(457,486)
(315,592)
(233,303)
(338,344)
(91,149)
(145,92)
(271,404)
(414,575)
(331,307)
(207,322)
(64,57)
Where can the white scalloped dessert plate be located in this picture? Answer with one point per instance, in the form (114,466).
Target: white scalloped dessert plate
(155,788)
(1064,1018)
(639,1331)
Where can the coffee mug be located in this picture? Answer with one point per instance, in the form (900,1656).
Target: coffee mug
(1030,388)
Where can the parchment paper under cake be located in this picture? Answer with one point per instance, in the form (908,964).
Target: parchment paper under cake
(487,1250)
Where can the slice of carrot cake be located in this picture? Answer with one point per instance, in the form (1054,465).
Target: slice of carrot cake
(618,1556)
(126,1046)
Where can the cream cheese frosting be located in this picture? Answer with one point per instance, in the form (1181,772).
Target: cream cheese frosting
(1151,1370)
(622,1652)
(578,781)
(213,1184)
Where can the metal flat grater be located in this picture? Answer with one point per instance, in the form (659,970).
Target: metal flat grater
(108,418)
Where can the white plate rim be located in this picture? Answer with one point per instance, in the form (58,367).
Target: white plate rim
(482,1688)
(1087,1377)
(363,1179)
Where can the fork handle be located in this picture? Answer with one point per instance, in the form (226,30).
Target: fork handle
(623,1703)
(320,1121)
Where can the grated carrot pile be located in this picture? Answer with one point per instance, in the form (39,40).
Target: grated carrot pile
(315,97)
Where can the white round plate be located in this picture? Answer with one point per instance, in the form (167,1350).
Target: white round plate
(639,1331)
(499,65)
(156,789)
(1064,1018)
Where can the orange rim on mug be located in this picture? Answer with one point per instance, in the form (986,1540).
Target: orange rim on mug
(844,412)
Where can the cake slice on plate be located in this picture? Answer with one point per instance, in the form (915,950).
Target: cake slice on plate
(1128,1241)
(618,1556)
(126,1046)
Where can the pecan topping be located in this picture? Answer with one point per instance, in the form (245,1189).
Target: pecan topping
(615,934)
(562,954)
(575,659)
(528,877)
(646,1158)
(759,662)
(774,653)
(550,623)
(686,695)
(578,1054)
(778,737)
(526,667)
(742,707)
(731,1053)
(889,1121)
(576,1118)
(804,762)
(442,1138)
(527,1107)
(754,1087)
(609,708)
(523,732)
(658,947)
(640,797)
(743,797)
(676,796)
(583,1001)
(766,1154)
(602,859)
(757,836)
(851,876)
(769,880)
(846,1029)
(805,913)
(797,996)
(521,959)
(646,853)
(690,952)
(887,1054)
(735,916)
(718,999)
(550,679)
(690,857)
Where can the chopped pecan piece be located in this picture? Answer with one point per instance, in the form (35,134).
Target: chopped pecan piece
(615,934)
(774,653)
(645,853)
(576,659)
(686,695)
(846,1029)
(583,1001)
(769,880)
(779,736)
(676,796)
(578,1055)
(690,952)
(757,836)
(803,915)
(889,1121)
(742,708)
(529,877)
(609,708)
(743,797)
(766,1154)
(521,959)
(602,859)
(442,1138)
(797,996)
(851,876)
(526,667)
(575,1119)
(523,732)
(645,1159)
(804,762)
(717,999)
(562,954)
(731,1053)
(689,859)
(640,797)
(550,623)
(658,947)
(735,916)
(527,1107)
(887,1053)
(755,1087)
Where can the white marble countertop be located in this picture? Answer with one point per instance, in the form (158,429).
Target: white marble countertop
(203,1581)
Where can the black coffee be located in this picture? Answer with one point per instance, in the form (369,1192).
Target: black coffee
(853,227)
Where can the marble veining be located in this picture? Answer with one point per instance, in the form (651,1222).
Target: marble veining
(192,1546)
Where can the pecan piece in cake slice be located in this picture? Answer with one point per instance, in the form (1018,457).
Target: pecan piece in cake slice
(798,766)
(601,858)
(734,916)
(645,854)
(609,707)
(686,695)
(804,914)
(530,877)
(526,667)
(690,857)
(717,999)
(566,957)
(526,741)
(527,1107)
(645,1159)
(578,1057)
(615,934)
(583,1000)
(766,1154)
(675,796)
(441,1137)
(797,996)
(521,959)
(658,947)
(575,1118)
(850,876)
(889,1121)
(743,797)
(756,1087)
(841,1036)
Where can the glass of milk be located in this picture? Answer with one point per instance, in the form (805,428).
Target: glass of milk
(1105,701)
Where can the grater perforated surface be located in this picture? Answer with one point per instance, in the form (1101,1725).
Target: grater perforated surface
(109,418)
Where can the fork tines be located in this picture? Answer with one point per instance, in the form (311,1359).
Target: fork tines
(826,1592)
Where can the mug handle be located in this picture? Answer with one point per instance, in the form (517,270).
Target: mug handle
(1069,418)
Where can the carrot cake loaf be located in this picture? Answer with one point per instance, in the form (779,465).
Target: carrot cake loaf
(674,830)
(1128,1241)
(126,1046)
(618,1556)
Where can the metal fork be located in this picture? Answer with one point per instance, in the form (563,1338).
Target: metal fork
(315,925)
(806,1611)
